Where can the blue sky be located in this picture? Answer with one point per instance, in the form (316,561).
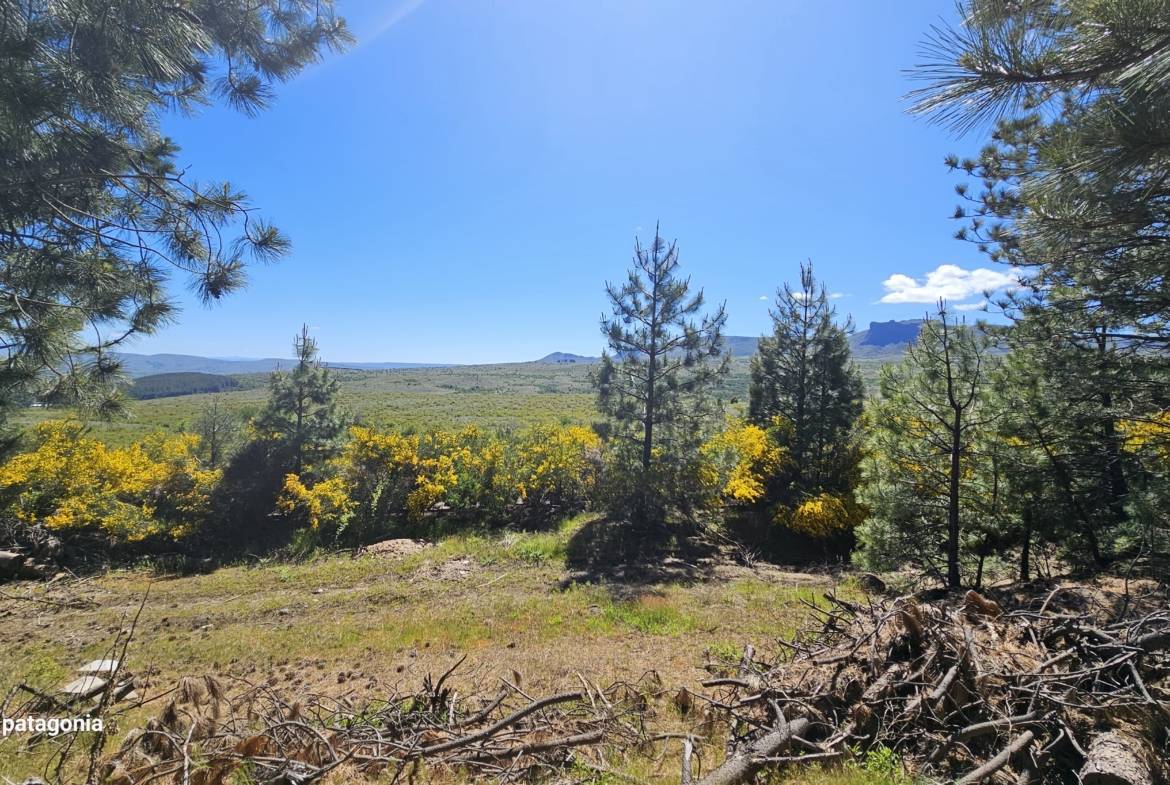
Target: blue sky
(460,184)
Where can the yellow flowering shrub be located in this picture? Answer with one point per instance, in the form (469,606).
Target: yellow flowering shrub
(738,461)
(326,501)
(69,481)
(821,515)
(364,484)
(1150,436)
(558,465)
(379,476)
(376,451)
(451,469)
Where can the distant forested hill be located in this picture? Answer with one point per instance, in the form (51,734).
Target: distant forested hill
(167,385)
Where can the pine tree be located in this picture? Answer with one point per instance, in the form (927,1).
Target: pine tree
(1068,403)
(220,430)
(924,458)
(1072,194)
(96,210)
(654,381)
(804,374)
(302,415)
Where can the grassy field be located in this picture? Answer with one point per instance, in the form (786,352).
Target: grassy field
(492,396)
(497,397)
(340,625)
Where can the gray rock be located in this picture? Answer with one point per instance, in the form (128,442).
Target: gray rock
(85,687)
(11,565)
(99,668)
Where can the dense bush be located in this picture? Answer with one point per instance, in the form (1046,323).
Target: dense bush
(167,385)
(379,483)
(383,479)
(70,482)
(751,466)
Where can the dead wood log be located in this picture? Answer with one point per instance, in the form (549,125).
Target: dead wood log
(1153,641)
(1117,759)
(999,761)
(991,726)
(936,694)
(489,731)
(576,740)
(740,767)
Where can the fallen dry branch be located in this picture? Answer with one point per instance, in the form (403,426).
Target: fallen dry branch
(208,733)
(965,690)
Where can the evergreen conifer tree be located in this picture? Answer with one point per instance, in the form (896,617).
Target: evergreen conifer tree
(924,459)
(302,416)
(1072,194)
(220,430)
(654,382)
(804,374)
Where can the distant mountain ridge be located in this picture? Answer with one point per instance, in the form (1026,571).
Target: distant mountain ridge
(881,340)
(136,365)
(891,332)
(566,358)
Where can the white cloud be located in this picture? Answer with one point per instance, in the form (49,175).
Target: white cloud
(837,295)
(763,297)
(949,282)
(970,306)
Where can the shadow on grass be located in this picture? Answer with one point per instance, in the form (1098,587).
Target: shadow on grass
(622,553)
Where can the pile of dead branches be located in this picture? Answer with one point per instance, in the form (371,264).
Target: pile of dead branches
(206,736)
(964,690)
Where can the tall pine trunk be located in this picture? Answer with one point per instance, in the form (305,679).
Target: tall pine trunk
(954,579)
(1026,547)
(648,425)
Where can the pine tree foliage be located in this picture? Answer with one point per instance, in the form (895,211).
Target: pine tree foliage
(1066,404)
(302,414)
(928,464)
(804,374)
(1074,182)
(96,211)
(1072,192)
(654,381)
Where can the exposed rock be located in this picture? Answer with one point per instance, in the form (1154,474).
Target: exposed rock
(892,332)
(870,583)
(455,570)
(85,687)
(11,565)
(99,668)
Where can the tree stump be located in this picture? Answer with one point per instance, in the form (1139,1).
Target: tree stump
(1117,759)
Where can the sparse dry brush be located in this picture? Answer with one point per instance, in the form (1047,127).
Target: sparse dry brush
(1043,686)
(971,691)
(208,733)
